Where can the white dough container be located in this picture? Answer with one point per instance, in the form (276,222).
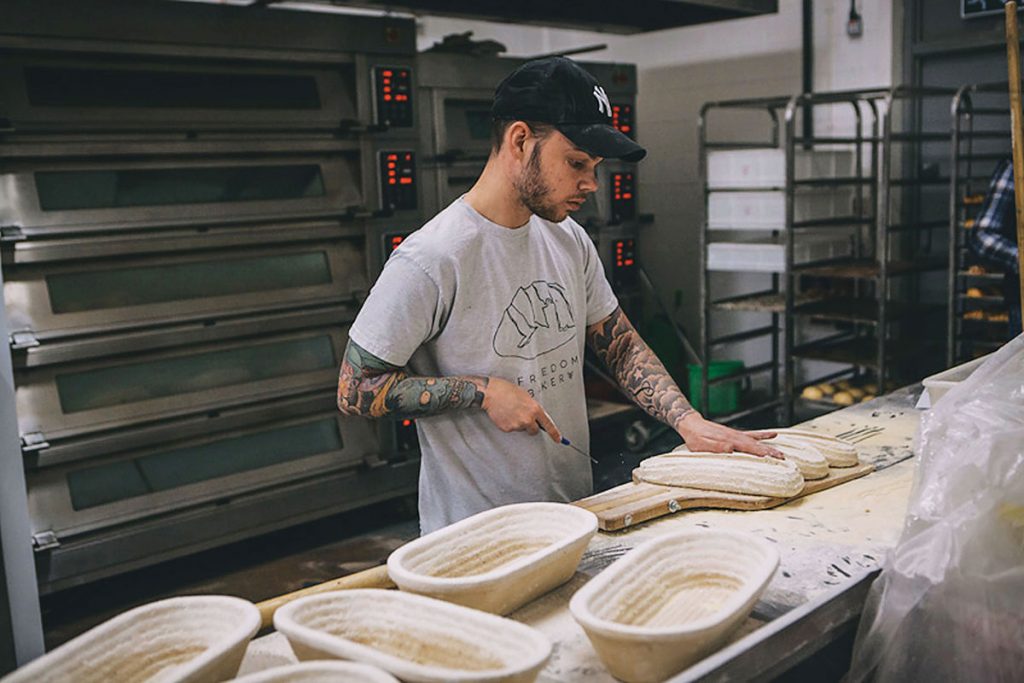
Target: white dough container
(496,560)
(325,671)
(193,639)
(673,600)
(415,638)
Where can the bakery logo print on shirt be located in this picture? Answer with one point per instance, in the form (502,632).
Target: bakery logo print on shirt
(538,321)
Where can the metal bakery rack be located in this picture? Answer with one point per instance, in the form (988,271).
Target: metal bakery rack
(816,249)
(978,316)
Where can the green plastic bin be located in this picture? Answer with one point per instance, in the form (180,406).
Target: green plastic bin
(723,398)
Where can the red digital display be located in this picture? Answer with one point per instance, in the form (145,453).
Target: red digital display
(623,196)
(624,272)
(622,118)
(405,435)
(624,256)
(398,181)
(393,88)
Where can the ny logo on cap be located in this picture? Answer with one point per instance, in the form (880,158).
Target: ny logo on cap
(603,105)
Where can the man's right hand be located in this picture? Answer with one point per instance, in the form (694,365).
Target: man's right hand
(512,409)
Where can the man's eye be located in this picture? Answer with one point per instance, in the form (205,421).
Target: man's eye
(578,165)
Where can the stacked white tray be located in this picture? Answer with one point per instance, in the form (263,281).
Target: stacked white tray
(764,171)
(771,258)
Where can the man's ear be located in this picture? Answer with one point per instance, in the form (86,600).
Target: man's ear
(516,137)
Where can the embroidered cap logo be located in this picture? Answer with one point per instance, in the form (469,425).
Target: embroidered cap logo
(603,105)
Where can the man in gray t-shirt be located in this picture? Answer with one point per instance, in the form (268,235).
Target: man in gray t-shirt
(478,323)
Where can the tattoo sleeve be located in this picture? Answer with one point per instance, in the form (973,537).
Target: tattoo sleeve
(637,370)
(369,387)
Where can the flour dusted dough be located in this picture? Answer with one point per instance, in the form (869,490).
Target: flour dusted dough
(839,453)
(809,460)
(729,472)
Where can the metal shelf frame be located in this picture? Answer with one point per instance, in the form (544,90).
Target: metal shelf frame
(885,141)
(967,338)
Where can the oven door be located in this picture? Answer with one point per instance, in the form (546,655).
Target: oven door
(85,398)
(62,93)
(73,303)
(82,497)
(57,197)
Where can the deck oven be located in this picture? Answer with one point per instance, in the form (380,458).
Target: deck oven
(192,203)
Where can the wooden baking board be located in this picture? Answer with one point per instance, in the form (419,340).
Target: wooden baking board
(636,502)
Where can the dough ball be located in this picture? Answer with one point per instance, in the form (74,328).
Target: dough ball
(812,393)
(843,398)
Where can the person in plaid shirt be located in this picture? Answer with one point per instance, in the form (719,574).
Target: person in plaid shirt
(994,237)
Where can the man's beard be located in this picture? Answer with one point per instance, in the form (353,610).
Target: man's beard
(533,193)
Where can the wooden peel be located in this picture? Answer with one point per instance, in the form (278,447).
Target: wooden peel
(1013,63)
(635,502)
(375,577)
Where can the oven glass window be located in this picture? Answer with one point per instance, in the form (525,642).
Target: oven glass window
(84,87)
(479,123)
(125,384)
(112,189)
(97,290)
(167,470)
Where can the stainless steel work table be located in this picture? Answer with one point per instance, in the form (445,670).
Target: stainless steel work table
(831,544)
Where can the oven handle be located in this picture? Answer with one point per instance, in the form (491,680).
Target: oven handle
(356,127)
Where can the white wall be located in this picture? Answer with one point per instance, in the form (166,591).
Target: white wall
(679,70)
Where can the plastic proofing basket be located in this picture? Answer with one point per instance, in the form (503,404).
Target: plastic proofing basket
(722,398)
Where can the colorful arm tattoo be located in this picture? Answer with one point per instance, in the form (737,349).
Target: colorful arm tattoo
(637,370)
(369,387)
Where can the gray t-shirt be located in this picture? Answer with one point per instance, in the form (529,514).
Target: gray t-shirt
(466,296)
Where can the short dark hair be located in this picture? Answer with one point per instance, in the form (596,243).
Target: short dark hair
(499,126)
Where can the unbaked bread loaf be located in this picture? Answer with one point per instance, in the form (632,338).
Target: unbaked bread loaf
(728,472)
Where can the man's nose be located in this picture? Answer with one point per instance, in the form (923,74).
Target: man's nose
(589,184)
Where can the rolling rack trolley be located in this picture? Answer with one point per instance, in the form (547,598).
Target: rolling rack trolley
(835,226)
(978,316)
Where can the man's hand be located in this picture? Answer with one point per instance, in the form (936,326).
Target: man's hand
(705,435)
(512,409)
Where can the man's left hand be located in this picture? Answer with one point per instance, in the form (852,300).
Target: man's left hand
(705,435)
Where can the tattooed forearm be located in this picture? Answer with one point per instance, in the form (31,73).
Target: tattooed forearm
(369,387)
(637,370)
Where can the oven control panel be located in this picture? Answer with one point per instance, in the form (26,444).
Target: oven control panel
(397,180)
(393,89)
(624,273)
(622,118)
(623,191)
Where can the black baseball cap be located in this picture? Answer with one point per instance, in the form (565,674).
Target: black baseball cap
(559,91)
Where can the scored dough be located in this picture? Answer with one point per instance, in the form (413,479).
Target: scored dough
(809,459)
(839,453)
(728,472)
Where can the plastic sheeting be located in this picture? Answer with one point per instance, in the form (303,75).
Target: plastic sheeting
(949,603)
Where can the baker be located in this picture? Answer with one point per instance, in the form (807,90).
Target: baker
(476,327)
